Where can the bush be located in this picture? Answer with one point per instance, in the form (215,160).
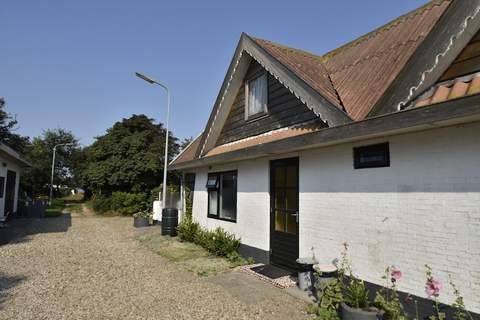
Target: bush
(218,241)
(120,202)
(187,229)
(128,203)
(101,204)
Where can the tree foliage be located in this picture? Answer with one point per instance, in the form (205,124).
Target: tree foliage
(36,180)
(128,158)
(8,124)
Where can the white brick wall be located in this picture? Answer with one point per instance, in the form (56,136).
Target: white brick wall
(3,173)
(252,202)
(424,208)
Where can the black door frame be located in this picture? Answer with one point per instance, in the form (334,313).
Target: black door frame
(273,164)
(10,188)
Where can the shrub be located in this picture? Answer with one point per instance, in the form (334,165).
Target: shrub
(187,229)
(218,241)
(101,204)
(120,202)
(223,243)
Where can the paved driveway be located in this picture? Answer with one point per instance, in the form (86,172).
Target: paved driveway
(87,267)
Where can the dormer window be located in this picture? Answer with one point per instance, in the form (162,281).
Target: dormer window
(256,97)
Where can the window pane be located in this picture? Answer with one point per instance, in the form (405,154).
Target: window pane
(292,176)
(212,181)
(228,196)
(279,177)
(280,199)
(257,95)
(291,223)
(212,202)
(279,220)
(291,198)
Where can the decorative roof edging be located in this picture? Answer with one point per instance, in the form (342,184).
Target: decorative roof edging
(285,82)
(402,104)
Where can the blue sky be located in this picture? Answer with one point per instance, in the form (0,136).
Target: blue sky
(71,64)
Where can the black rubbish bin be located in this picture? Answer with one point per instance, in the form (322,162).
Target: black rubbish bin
(169,222)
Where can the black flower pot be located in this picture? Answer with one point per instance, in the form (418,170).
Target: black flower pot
(349,313)
(139,222)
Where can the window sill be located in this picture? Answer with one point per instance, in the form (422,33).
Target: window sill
(257,117)
(221,219)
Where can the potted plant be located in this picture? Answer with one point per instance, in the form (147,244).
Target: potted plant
(141,219)
(355,304)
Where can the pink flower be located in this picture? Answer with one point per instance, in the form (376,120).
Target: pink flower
(396,274)
(433,287)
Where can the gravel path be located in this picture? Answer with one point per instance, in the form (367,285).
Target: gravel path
(87,267)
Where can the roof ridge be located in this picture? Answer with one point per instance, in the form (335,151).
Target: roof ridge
(389,25)
(303,52)
(375,55)
(313,56)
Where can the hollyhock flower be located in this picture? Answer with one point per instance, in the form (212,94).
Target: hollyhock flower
(433,287)
(396,274)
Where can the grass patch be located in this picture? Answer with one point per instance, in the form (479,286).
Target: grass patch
(191,256)
(55,209)
(74,207)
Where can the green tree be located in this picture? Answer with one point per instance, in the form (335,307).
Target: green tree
(36,180)
(8,124)
(129,157)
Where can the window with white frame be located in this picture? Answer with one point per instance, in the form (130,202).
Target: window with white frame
(256,96)
(222,195)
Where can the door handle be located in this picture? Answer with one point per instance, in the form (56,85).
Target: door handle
(296,216)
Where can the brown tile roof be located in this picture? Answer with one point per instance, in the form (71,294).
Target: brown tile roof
(449,90)
(354,76)
(266,137)
(307,66)
(189,152)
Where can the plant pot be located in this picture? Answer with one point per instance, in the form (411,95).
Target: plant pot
(141,222)
(349,313)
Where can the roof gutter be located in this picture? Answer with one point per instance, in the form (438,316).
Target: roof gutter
(453,112)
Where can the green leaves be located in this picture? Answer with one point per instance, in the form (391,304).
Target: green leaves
(129,157)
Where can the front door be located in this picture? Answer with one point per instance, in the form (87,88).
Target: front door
(284,212)
(10,192)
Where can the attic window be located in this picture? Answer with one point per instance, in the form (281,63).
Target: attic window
(256,96)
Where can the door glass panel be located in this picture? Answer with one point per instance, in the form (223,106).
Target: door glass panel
(279,220)
(291,199)
(280,198)
(213,202)
(292,176)
(279,177)
(291,223)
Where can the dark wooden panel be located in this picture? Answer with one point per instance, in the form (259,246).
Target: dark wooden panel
(284,109)
(462,68)
(468,61)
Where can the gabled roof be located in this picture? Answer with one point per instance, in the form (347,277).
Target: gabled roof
(354,76)
(371,76)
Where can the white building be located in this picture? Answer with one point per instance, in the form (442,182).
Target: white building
(376,143)
(11,165)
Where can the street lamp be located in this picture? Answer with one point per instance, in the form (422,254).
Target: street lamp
(152,81)
(53,167)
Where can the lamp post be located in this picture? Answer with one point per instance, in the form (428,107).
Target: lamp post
(53,167)
(152,81)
